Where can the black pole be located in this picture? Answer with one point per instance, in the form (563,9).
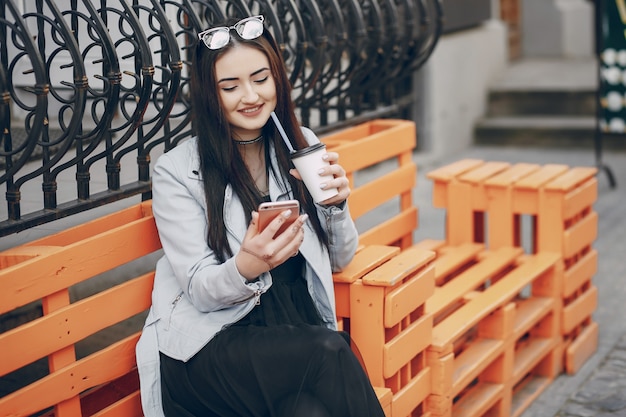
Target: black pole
(598,138)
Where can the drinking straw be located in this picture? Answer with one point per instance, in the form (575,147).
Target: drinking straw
(282,132)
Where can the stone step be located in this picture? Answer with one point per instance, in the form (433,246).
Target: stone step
(580,102)
(543,131)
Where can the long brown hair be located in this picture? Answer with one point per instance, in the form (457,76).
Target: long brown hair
(220,161)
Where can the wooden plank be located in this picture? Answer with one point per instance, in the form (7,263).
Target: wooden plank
(479,399)
(579,310)
(512,175)
(581,198)
(110,363)
(384,188)
(391,230)
(365,261)
(371,149)
(497,295)
(580,272)
(528,313)
(412,394)
(571,179)
(494,263)
(473,360)
(33,279)
(399,267)
(129,406)
(533,351)
(64,327)
(581,349)
(455,257)
(580,236)
(405,299)
(451,171)
(96,226)
(539,178)
(403,348)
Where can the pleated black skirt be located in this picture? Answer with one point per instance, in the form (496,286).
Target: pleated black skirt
(278,361)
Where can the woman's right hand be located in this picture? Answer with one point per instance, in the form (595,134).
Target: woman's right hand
(262,251)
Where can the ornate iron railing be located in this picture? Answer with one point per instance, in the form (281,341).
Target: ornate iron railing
(92,89)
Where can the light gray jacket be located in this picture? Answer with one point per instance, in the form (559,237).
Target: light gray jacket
(194,295)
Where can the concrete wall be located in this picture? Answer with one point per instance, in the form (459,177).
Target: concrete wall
(452,87)
(557,28)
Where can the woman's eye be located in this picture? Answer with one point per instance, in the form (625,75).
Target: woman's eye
(229,88)
(262,80)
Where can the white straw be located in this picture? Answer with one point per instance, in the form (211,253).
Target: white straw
(282,131)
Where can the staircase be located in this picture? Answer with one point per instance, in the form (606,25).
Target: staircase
(544,102)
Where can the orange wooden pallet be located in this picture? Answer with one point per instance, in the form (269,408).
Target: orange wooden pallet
(497,341)
(387,145)
(392,330)
(485,202)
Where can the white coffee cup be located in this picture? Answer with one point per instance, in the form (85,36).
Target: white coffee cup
(308,162)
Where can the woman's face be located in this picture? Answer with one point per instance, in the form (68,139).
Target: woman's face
(247,90)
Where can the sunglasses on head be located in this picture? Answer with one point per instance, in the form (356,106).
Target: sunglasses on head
(248,28)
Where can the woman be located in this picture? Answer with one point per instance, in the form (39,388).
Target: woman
(243,322)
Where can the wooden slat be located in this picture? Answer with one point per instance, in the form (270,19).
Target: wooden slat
(376,192)
(491,265)
(412,394)
(372,149)
(571,179)
(580,236)
(488,301)
(391,230)
(451,171)
(364,261)
(454,257)
(129,406)
(581,198)
(533,351)
(110,363)
(478,400)
(579,310)
(94,227)
(580,273)
(582,348)
(404,299)
(399,267)
(64,327)
(528,313)
(403,348)
(33,279)
(512,175)
(473,360)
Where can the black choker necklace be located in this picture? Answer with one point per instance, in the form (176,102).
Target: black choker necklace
(249,142)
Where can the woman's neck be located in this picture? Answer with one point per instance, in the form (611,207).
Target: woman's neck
(253,156)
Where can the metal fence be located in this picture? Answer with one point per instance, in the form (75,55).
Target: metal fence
(87,84)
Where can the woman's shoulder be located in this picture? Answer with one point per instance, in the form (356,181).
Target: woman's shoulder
(186,151)
(309,135)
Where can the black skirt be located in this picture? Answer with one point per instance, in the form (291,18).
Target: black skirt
(278,361)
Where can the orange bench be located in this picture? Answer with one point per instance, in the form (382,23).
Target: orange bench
(89,343)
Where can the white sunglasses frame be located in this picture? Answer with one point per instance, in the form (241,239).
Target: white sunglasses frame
(235,27)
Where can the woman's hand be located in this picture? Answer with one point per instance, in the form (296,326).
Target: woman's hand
(261,251)
(339,181)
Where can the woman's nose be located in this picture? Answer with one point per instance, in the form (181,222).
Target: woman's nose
(250,95)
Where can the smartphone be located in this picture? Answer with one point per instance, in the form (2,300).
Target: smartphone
(268,211)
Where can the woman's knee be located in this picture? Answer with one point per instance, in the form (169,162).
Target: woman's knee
(301,405)
(330,342)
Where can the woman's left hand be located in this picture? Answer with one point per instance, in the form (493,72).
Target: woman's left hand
(339,181)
